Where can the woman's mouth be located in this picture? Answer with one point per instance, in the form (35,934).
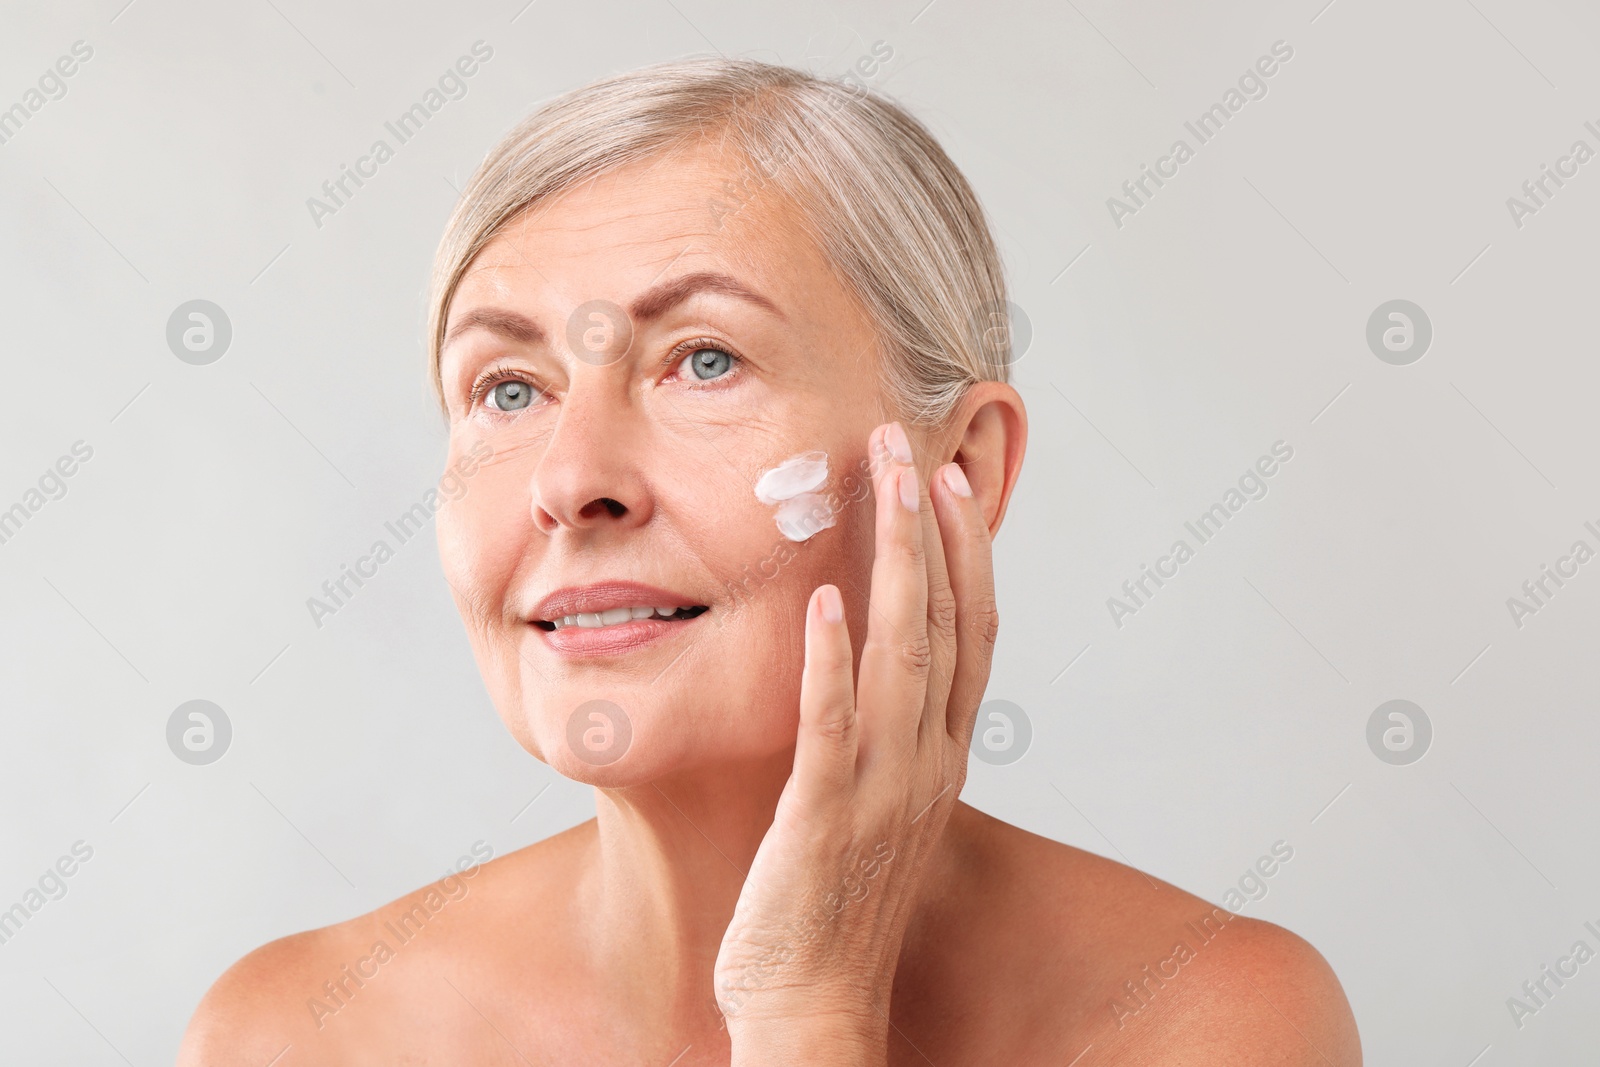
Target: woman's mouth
(611,617)
(599,620)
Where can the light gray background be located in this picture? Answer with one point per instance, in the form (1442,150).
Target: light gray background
(1167,355)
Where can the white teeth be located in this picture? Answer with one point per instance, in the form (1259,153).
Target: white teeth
(593,620)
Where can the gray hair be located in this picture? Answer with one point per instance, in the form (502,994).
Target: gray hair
(889,210)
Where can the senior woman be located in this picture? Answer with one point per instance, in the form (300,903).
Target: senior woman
(714,340)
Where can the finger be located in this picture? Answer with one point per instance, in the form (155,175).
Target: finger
(895,655)
(941,621)
(825,749)
(969,555)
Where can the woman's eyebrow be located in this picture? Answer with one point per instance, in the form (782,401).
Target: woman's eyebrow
(654,303)
(506,323)
(650,305)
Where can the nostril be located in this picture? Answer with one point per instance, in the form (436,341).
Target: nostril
(548,519)
(615,508)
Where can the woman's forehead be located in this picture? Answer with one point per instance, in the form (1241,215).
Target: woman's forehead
(701,196)
(617,235)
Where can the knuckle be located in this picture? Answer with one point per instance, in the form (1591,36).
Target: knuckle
(915,551)
(916,652)
(836,723)
(942,611)
(985,622)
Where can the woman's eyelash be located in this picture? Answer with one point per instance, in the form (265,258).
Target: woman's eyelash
(499,373)
(687,348)
(493,377)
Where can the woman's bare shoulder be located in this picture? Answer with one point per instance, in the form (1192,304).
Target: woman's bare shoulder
(1152,974)
(329,990)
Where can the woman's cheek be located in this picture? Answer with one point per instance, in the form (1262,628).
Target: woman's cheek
(483,535)
(831,542)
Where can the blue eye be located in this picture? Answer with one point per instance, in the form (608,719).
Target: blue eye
(510,395)
(709,363)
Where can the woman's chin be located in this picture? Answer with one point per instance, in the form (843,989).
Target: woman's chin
(603,744)
(620,775)
(640,766)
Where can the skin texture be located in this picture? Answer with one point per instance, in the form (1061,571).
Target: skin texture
(776,757)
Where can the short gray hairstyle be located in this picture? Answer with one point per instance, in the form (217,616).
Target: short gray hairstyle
(885,204)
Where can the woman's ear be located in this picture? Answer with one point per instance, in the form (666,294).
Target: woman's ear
(990,435)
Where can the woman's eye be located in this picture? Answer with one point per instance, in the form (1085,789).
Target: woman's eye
(510,395)
(709,363)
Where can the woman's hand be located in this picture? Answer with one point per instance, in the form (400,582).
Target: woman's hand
(807,964)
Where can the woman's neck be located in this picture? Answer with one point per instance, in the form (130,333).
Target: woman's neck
(671,859)
(669,862)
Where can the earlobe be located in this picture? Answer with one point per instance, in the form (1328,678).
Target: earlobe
(993,438)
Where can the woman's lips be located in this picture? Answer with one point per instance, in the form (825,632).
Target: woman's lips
(602,596)
(597,598)
(611,640)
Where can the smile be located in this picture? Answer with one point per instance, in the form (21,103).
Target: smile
(597,620)
(611,617)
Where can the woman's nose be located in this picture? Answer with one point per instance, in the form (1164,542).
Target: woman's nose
(589,475)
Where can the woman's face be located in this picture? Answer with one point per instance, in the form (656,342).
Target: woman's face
(621,366)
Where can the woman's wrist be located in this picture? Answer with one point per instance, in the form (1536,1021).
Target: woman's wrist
(836,1039)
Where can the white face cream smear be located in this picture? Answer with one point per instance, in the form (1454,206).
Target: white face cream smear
(790,487)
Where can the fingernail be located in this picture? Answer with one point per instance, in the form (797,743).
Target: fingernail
(956,479)
(879,450)
(908,488)
(832,606)
(896,439)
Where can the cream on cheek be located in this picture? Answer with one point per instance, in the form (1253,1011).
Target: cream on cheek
(790,487)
